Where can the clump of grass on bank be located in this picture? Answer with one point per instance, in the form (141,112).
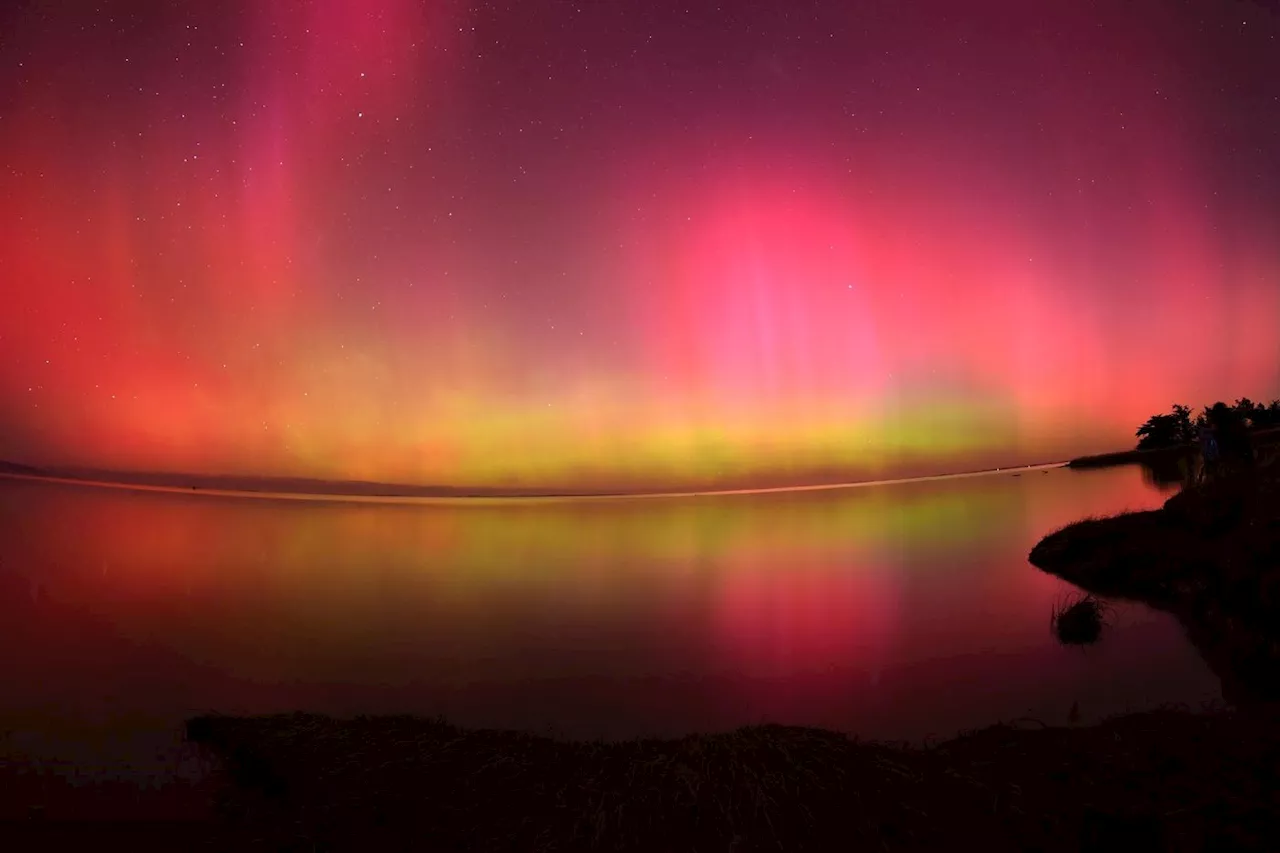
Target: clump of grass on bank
(1153,780)
(1079,621)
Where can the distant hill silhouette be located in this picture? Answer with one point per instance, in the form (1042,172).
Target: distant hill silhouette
(17,468)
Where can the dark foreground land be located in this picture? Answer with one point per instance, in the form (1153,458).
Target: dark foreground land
(1210,556)
(1159,780)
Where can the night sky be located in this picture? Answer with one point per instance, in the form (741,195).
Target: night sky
(627,244)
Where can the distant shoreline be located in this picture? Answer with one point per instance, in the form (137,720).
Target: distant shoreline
(308,489)
(1130,457)
(327,491)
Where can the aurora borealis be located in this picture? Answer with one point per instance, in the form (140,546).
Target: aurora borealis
(624,245)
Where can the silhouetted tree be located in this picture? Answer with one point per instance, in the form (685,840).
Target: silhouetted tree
(1270,414)
(1168,430)
(1232,432)
(1185,427)
(1265,415)
(1231,426)
(1159,431)
(1244,408)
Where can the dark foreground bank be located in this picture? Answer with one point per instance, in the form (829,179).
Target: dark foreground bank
(1162,780)
(1211,556)
(1159,780)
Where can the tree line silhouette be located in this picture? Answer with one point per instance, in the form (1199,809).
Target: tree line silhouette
(1229,424)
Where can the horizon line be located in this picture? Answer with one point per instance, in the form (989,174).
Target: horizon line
(352,497)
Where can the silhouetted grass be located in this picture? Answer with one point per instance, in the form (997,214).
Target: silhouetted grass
(1078,621)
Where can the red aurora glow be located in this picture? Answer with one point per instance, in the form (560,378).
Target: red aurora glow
(612,247)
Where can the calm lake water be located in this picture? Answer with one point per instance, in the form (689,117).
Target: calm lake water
(897,611)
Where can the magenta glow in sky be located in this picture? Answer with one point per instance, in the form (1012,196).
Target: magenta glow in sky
(619,245)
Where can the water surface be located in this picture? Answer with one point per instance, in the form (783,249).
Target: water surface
(899,611)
